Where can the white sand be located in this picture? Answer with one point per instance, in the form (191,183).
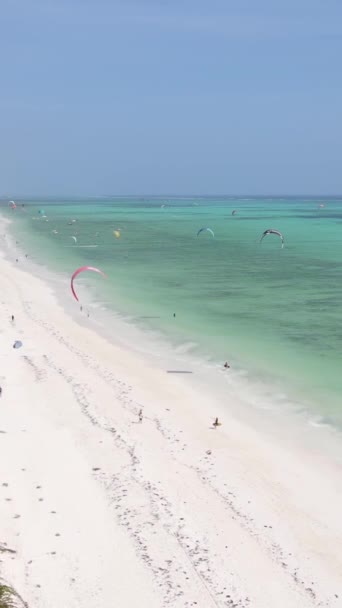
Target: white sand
(105,512)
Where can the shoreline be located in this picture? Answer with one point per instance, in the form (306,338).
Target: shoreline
(273,387)
(265,404)
(184,513)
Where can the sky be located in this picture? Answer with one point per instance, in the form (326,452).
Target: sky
(101,97)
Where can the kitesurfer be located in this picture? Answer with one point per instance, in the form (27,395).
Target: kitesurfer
(77,272)
(272,231)
(206,230)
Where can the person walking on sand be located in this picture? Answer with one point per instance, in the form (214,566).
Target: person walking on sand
(140,415)
(12,318)
(0,391)
(216,423)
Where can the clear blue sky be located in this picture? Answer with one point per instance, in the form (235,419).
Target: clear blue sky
(170,96)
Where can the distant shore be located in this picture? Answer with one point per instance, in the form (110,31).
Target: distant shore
(100,507)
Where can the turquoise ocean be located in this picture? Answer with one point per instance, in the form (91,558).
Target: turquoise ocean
(275,313)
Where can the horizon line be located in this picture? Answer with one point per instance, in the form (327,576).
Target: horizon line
(142,196)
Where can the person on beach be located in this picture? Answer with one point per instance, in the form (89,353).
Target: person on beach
(0,391)
(140,415)
(12,318)
(226,365)
(216,423)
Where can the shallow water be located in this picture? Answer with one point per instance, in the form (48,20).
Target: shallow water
(273,312)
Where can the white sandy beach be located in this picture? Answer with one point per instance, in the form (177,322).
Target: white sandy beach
(102,511)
